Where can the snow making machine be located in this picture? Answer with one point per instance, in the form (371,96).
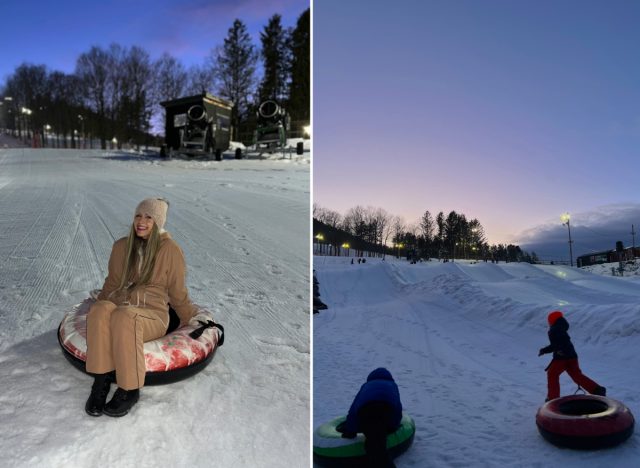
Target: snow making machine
(197,125)
(271,130)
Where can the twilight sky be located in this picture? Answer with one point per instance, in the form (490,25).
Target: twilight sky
(55,33)
(509,112)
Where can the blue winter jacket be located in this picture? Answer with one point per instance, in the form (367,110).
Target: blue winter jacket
(380,387)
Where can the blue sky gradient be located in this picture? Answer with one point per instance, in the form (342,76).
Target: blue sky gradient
(55,33)
(510,112)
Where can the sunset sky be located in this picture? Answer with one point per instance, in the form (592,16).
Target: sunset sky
(509,112)
(55,33)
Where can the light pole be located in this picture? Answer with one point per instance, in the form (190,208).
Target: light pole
(566,221)
(346,246)
(82,130)
(8,102)
(25,117)
(47,130)
(320,238)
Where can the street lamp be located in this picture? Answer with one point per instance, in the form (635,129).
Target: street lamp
(320,238)
(566,221)
(82,129)
(9,101)
(25,116)
(47,130)
(346,246)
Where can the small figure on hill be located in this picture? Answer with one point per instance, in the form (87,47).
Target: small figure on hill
(352,261)
(565,358)
(376,412)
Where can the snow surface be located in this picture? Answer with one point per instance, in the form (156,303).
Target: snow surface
(462,339)
(244,229)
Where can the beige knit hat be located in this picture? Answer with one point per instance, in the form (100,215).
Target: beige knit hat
(156,208)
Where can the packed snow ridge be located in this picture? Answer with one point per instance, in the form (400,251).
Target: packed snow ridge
(461,340)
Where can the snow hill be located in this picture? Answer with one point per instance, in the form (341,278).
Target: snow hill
(462,341)
(244,229)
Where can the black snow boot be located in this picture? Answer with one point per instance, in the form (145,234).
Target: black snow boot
(600,391)
(122,402)
(99,391)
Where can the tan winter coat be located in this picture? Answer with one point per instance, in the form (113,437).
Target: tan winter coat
(166,286)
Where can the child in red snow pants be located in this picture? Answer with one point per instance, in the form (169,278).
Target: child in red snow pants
(557,367)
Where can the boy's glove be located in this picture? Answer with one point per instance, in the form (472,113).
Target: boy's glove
(345,435)
(541,352)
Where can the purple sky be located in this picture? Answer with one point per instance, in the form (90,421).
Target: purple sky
(509,112)
(55,33)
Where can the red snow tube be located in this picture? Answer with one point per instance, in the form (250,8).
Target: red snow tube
(170,358)
(585,422)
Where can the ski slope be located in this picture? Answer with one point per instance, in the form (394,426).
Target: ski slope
(462,341)
(244,229)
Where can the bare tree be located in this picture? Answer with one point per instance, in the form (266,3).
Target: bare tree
(200,79)
(92,68)
(170,82)
(353,221)
(327,216)
(137,106)
(398,227)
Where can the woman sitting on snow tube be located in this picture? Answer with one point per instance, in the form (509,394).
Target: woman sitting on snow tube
(376,412)
(181,353)
(146,274)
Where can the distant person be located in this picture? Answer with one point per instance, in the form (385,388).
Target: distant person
(376,412)
(352,261)
(565,358)
(146,274)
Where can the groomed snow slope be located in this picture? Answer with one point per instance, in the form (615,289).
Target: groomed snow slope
(244,229)
(462,341)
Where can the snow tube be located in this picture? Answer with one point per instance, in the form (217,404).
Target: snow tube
(585,422)
(331,449)
(173,357)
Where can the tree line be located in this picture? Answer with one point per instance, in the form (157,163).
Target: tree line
(116,91)
(441,236)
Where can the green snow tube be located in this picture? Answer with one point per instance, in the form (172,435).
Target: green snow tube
(331,449)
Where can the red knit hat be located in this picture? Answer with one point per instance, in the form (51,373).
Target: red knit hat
(553,316)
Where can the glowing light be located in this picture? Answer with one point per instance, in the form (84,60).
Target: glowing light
(345,245)
(307,130)
(320,237)
(565,217)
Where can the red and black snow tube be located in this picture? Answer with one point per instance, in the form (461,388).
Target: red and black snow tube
(585,422)
(181,353)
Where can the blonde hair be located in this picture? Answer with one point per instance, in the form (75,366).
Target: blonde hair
(148,248)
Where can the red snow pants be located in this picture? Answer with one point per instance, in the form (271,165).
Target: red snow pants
(557,367)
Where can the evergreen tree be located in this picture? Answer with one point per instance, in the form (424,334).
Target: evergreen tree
(276,61)
(299,106)
(235,69)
